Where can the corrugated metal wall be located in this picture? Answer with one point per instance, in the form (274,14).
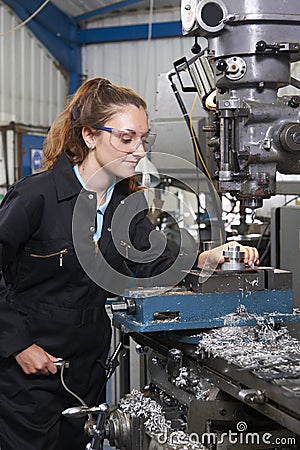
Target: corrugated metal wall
(136,63)
(32,86)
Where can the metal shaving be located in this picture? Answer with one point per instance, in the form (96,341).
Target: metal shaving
(268,352)
(237,317)
(136,404)
(189,381)
(155,423)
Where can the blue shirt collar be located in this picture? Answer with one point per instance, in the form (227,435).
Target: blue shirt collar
(101,209)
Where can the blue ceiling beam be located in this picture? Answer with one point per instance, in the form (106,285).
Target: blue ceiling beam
(105,10)
(57,32)
(130,32)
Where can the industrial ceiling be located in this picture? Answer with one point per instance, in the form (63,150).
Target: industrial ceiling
(61,26)
(82,10)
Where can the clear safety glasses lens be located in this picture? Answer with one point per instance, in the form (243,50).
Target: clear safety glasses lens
(128,142)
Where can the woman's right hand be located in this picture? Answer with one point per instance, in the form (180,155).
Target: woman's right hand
(34,360)
(212,259)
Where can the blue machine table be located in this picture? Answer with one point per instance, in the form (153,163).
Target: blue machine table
(222,299)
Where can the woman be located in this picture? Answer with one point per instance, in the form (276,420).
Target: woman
(52,307)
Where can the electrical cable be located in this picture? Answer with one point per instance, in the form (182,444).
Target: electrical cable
(196,144)
(20,25)
(291,200)
(265,252)
(150,22)
(263,234)
(5,159)
(185,116)
(200,155)
(269,222)
(265,230)
(233,204)
(184,113)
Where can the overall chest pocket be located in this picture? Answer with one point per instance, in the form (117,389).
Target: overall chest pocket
(58,255)
(43,260)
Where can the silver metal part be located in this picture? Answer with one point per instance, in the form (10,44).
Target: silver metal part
(82,411)
(119,430)
(202,76)
(236,68)
(234,258)
(127,306)
(62,363)
(252,396)
(290,137)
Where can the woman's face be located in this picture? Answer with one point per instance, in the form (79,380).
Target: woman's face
(113,152)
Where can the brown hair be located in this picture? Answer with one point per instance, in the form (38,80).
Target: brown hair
(93,104)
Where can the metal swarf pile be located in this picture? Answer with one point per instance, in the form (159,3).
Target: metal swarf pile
(268,352)
(155,423)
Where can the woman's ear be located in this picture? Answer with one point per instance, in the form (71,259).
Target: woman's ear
(88,138)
